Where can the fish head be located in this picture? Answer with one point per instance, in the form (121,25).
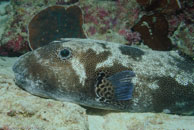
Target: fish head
(76,71)
(52,68)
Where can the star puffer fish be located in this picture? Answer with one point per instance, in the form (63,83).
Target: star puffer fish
(108,75)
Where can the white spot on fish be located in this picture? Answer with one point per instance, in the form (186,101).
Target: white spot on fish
(116,56)
(79,70)
(90,45)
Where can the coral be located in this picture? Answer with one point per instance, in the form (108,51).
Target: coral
(154,31)
(164,6)
(104,19)
(176,12)
(63,2)
(92,30)
(101,20)
(130,36)
(181,29)
(14,47)
(14,38)
(19,14)
(66,23)
(183,38)
(184,15)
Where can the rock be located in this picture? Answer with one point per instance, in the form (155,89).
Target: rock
(21,110)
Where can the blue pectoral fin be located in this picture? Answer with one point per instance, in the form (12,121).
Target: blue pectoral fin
(121,82)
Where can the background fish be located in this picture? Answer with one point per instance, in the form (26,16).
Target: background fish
(109,76)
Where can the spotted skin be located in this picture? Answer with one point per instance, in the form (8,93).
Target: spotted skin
(104,91)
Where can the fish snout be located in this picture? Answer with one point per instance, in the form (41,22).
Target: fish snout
(20,71)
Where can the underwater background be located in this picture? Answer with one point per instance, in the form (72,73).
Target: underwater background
(165,25)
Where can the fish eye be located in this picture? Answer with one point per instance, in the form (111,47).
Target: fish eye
(64,54)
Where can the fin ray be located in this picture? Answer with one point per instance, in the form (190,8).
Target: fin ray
(123,87)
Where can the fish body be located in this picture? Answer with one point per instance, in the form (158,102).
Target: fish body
(108,75)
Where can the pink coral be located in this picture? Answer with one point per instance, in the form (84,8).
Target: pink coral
(102,13)
(131,37)
(92,30)
(16,45)
(104,18)
(136,12)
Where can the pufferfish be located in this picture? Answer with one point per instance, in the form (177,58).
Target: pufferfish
(103,75)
